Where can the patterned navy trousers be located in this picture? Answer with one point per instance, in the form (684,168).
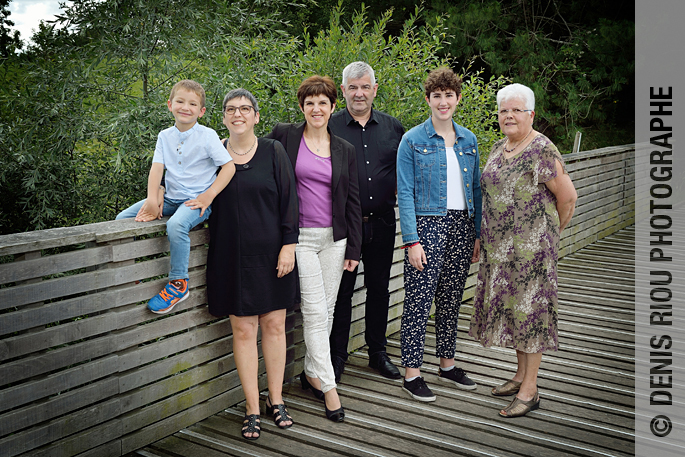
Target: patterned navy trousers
(448,243)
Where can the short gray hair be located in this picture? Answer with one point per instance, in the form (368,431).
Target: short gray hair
(357,70)
(237,93)
(517,90)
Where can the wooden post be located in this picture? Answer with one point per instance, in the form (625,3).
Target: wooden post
(576,143)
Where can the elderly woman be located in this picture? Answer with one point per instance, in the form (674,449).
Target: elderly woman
(528,199)
(253,230)
(438,191)
(330,227)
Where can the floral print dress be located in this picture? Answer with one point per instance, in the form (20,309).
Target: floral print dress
(515,304)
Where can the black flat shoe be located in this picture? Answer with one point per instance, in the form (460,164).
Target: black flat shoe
(306,385)
(381,362)
(337,415)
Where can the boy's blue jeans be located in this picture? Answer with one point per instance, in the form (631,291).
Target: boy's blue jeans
(182,220)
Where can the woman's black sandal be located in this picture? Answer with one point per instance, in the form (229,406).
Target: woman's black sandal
(279,414)
(251,424)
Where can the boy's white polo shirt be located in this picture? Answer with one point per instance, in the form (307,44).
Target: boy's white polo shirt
(191,159)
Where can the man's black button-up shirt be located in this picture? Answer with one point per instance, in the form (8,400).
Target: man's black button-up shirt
(376,144)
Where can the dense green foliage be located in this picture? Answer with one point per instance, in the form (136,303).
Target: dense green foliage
(577,55)
(400,63)
(82,107)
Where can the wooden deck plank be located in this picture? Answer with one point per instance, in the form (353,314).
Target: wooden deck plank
(350,437)
(467,415)
(482,393)
(572,363)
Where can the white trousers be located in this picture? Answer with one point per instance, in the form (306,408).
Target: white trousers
(320,262)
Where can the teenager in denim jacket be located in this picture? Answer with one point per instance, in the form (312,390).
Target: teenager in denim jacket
(439,197)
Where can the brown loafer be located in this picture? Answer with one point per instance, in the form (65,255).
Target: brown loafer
(510,387)
(518,407)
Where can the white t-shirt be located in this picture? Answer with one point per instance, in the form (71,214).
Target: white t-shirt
(191,158)
(455,183)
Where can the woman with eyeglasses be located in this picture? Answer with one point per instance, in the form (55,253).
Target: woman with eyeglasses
(253,232)
(528,199)
(330,227)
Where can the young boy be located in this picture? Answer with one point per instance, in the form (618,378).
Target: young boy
(191,154)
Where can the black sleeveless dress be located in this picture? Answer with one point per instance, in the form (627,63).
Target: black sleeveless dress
(252,218)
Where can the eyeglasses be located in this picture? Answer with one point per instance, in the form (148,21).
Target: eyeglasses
(504,112)
(244,109)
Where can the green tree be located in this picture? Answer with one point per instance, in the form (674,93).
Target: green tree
(41,125)
(9,39)
(88,99)
(401,63)
(577,56)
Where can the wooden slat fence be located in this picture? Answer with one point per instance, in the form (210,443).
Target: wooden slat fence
(86,370)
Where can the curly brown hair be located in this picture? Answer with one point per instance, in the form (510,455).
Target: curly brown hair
(442,78)
(317,85)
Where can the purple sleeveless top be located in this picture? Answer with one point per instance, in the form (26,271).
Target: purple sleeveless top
(314,176)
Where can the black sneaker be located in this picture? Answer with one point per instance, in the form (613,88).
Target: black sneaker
(418,390)
(458,376)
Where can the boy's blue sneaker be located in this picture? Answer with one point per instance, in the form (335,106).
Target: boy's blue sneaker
(172,294)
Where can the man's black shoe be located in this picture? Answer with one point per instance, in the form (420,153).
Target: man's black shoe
(380,361)
(338,368)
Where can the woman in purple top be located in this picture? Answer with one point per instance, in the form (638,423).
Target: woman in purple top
(330,227)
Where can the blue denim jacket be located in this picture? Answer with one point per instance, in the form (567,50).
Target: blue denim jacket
(422,176)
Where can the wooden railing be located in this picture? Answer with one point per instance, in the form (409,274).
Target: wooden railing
(86,369)
(605,181)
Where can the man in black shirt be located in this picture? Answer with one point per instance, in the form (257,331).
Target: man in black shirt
(376,137)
